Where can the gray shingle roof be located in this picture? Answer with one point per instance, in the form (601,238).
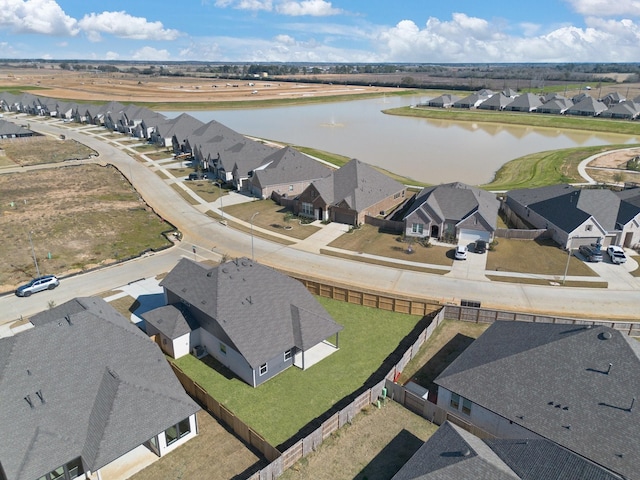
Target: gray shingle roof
(105,387)
(10,128)
(260,311)
(180,127)
(497,101)
(525,102)
(454,454)
(552,379)
(356,185)
(588,105)
(288,165)
(171,320)
(455,202)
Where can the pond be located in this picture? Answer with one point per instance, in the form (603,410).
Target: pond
(431,151)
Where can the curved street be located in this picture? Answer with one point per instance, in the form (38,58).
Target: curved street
(211,239)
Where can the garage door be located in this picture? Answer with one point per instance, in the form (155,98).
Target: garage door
(469,236)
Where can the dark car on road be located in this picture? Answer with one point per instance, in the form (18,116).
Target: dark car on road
(480,246)
(46,282)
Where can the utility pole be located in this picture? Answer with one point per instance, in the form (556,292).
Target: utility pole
(251,223)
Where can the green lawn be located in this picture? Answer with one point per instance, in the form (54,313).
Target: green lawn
(542,257)
(287,402)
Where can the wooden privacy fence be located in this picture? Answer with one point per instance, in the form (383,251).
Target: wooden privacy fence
(483,315)
(383,224)
(369,298)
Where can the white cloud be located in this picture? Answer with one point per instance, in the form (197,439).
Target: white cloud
(36,16)
(150,53)
(606,8)
(314,8)
(123,25)
(529,29)
(112,56)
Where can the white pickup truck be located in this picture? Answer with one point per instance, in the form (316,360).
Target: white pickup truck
(616,254)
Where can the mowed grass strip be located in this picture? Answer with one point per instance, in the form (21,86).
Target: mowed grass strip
(287,402)
(369,239)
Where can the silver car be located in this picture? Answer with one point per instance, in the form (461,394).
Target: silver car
(46,282)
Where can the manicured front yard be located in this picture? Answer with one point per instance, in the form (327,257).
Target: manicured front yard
(368,239)
(536,257)
(287,402)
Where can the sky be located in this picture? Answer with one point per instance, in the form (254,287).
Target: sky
(335,31)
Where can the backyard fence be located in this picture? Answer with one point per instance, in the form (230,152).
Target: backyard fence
(522,234)
(386,389)
(391,226)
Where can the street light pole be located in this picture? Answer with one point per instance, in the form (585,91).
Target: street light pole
(33,252)
(251,223)
(220,191)
(566,269)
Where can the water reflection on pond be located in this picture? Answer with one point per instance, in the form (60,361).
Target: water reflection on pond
(433,151)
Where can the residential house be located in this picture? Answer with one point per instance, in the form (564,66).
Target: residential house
(587,107)
(627,109)
(577,217)
(452,453)
(612,99)
(219,149)
(572,385)
(473,100)
(254,320)
(556,105)
(178,128)
(349,194)
(455,211)
(527,102)
(496,102)
(443,101)
(81,389)
(11,130)
(286,172)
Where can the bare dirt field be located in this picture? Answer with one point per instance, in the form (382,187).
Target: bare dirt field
(103,87)
(611,168)
(77,217)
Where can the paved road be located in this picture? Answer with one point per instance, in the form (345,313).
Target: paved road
(213,239)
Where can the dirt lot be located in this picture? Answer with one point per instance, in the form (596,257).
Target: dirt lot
(373,447)
(39,150)
(78,216)
(215,454)
(83,86)
(610,168)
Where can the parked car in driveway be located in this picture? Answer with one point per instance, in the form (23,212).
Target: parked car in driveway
(480,246)
(591,254)
(45,282)
(616,254)
(461,252)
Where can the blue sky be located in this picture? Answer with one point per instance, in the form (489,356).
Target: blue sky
(421,31)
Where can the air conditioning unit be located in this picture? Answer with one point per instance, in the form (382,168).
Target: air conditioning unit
(199,351)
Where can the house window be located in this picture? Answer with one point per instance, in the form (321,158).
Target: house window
(307,208)
(223,349)
(455,401)
(287,355)
(71,470)
(588,228)
(397,195)
(263,369)
(466,406)
(177,431)
(417,228)
(291,188)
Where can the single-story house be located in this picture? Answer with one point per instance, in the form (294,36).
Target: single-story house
(627,109)
(254,320)
(527,102)
(454,210)
(473,100)
(11,130)
(573,385)
(287,172)
(587,107)
(496,102)
(443,101)
(178,128)
(612,98)
(556,105)
(349,194)
(453,453)
(577,216)
(81,389)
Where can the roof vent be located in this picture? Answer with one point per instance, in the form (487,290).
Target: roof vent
(466,452)
(68,319)
(225,270)
(605,335)
(28,400)
(40,396)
